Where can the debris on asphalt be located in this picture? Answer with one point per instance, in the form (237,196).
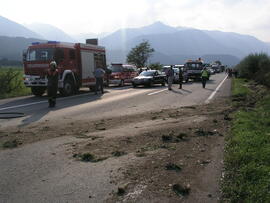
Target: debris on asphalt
(118,153)
(181,190)
(173,167)
(11,144)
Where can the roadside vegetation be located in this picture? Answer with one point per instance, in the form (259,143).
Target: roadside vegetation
(247,157)
(11,80)
(256,67)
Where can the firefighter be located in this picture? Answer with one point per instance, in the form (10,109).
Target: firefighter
(52,86)
(170,75)
(99,75)
(204,77)
(181,77)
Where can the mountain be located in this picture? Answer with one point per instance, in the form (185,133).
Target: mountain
(175,45)
(244,43)
(12,29)
(12,47)
(122,36)
(82,37)
(50,32)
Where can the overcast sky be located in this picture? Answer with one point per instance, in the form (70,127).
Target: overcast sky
(96,16)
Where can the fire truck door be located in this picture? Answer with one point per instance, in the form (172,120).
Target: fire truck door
(88,67)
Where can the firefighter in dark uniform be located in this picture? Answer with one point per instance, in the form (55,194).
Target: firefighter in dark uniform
(181,77)
(52,86)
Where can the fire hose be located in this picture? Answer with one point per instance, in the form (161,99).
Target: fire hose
(8,115)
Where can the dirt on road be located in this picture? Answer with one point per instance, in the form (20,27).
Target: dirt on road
(174,154)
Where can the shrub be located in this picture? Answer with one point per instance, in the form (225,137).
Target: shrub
(257,67)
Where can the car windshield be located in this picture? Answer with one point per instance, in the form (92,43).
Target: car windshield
(116,68)
(147,73)
(194,66)
(42,54)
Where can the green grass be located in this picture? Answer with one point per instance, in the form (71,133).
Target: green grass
(240,87)
(21,90)
(247,158)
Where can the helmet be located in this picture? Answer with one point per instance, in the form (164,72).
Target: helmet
(53,65)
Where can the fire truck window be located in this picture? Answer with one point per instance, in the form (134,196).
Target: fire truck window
(71,54)
(59,55)
(39,54)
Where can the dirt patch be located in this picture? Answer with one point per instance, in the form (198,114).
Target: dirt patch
(170,150)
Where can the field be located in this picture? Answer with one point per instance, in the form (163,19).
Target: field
(247,160)
(11,79)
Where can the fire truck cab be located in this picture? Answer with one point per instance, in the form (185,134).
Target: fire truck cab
(76,64)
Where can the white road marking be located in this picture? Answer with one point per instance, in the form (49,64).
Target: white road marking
(59,99)
(156,92)
(40,102)
(22,105)
(213,93)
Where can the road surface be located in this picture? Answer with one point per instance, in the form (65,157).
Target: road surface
(45,171)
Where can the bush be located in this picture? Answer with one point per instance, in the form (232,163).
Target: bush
(12,83)
(256,67)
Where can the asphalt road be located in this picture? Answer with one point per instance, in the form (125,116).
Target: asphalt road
(115,101)
(45,172)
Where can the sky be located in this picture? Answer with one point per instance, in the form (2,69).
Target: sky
(250,17)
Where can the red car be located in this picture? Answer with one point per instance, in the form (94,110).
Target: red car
(122,73)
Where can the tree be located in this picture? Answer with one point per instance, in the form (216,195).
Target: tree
(140,54)
(155,66)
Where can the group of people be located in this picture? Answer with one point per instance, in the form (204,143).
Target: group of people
(170,77)
(52,76)
(232,72)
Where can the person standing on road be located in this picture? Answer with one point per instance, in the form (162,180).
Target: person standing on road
(181,77)
(52,85)
(170,75)
(204,77)
(99,75)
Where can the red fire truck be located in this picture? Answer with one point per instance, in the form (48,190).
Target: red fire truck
(76,64)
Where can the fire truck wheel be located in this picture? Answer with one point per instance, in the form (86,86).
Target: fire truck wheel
(38,91)
(68,87)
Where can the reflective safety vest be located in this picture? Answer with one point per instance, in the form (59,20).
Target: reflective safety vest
(204,73)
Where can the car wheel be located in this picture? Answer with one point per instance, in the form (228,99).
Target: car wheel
(134,85)
(163,83)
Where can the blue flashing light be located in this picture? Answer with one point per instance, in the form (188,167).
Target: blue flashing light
(35,43)
(53,42)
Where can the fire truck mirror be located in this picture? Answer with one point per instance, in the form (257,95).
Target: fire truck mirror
(24,55)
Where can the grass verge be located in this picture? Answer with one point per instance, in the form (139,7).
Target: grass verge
(247,158)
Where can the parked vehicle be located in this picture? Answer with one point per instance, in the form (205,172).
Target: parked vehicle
(122,73)
(194,69)
(216,68)
(149,78)
(76,64)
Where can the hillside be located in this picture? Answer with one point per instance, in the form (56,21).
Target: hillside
(50,32)
(12,47)
(12,29)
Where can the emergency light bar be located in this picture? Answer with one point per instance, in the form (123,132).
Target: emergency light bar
(53,42)
(35,43)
